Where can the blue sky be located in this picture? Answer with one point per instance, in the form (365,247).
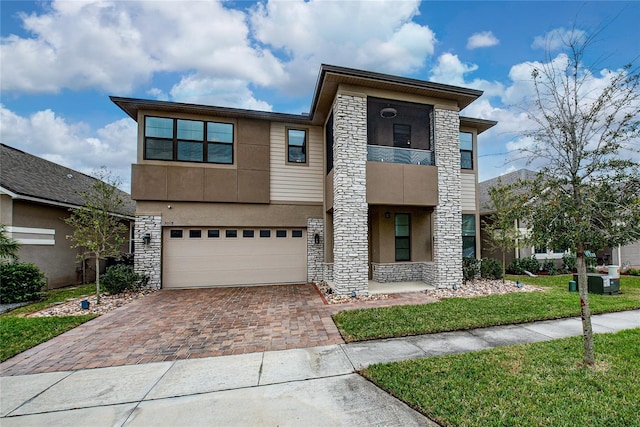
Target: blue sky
(60,61)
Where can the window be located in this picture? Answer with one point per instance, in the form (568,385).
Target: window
(281,233)
(468,235)
(247,233)
(265,233)
(296,146)
(403,239)
(296,233)
(231,233)
(401,136)
(466,150)
(188,140)
(176,234)
(213,234)
(195,234)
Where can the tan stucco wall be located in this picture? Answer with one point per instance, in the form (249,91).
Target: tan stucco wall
(230,214)
(382,236)
(245,181)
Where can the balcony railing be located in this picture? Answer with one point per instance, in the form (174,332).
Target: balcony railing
(407,156)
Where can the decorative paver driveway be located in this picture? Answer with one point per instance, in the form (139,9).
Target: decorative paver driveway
(190,323)
(194,323)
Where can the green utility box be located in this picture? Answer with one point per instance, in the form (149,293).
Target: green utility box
(601,284)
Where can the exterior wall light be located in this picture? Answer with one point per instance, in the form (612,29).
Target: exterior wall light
(146,239)
(316,239)
(387,214)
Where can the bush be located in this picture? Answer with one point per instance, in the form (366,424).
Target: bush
(519,265)
(549,266)
(490,269)
(20,282)
(470,268)
(120,278)
(633,272)
(569,262)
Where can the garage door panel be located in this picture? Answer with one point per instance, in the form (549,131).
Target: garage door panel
(202,262)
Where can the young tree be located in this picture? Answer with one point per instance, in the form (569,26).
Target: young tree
(502,224)
(586,195)
(8,247)
(98,230)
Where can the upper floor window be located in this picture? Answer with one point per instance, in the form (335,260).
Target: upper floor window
(466,150)
(188,140)
(296,146)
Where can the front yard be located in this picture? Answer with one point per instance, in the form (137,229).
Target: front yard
(469,313)
(19,333)
(542,384)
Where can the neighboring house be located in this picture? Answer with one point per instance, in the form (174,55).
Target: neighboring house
(378,182)
(35,198)
(630,254)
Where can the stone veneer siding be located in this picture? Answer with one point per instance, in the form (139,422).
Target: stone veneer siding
(315,252)
(447,218)
(397,272)
(147,257)
(350,209)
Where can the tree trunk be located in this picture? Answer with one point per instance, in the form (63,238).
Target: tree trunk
(583,290)
(504,264)
(97,279)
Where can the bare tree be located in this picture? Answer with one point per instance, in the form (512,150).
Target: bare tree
(98,230)
(586,195)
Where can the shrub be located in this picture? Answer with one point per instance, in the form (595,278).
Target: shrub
(120,278)
(470,268)
(519,265)
(490,269)
(549,266)
(569,262)
(20,282)
(633,272)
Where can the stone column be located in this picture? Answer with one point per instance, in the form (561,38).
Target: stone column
(147,258)
(315,251)
(350,209)
(447,218)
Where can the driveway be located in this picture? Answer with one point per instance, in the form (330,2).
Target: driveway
(195,323)
(185,324)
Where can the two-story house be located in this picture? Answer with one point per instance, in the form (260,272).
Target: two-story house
(378,182)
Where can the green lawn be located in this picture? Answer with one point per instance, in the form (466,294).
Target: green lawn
(19,333)
(541,384)
(468,313)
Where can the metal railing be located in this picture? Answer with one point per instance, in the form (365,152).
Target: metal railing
(407,156)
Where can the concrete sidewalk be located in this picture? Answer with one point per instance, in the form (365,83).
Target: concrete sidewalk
(312,386)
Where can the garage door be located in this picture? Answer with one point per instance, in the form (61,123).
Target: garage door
(204,257)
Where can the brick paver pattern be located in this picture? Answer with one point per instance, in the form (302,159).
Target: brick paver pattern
(194,323)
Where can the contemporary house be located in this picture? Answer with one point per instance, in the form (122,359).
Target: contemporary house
(378,182)
(36,196)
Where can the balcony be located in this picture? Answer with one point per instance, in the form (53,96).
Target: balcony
(407,156)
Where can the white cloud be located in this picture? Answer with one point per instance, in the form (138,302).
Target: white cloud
(450,70)
(117,46)
(377,36)
(227,92)
(557,39)
(47,135)
(483,39)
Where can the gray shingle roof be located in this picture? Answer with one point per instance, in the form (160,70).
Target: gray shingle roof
(34,177)
(507,179)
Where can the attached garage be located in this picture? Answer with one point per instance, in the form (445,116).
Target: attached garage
(205,257)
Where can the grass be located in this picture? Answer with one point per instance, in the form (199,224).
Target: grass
(468,313)
(524,385)
(19,333)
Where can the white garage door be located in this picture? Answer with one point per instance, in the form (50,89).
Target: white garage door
(204,257)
